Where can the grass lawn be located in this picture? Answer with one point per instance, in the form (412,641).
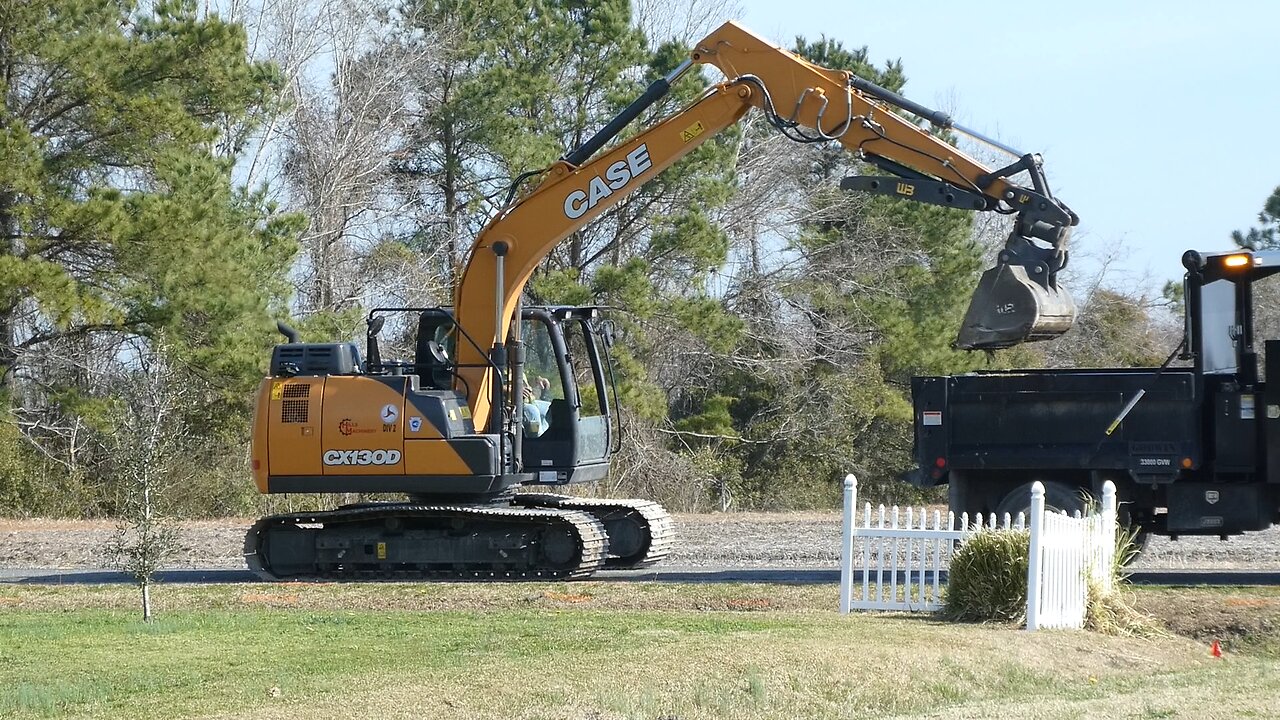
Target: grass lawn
(593,650)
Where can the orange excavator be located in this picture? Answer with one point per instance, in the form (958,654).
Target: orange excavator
(500,397)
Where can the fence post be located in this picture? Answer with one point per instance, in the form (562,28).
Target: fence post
(1108,535)
(846,543)
(1033,559)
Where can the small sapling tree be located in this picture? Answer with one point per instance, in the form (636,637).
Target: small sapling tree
(146,447)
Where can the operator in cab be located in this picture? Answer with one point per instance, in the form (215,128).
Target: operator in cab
(535,417)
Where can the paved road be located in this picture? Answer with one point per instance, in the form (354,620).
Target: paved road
(674,574)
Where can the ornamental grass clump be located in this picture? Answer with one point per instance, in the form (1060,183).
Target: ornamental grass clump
(1110,610)
(987,580)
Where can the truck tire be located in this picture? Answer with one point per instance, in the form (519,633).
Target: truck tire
(1057,497)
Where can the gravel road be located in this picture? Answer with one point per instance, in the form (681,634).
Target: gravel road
(739,540)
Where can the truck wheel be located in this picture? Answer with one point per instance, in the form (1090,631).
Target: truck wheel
(1057,497)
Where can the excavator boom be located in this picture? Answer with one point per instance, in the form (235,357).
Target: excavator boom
(1017,301)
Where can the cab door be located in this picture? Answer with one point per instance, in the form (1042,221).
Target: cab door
(594,411)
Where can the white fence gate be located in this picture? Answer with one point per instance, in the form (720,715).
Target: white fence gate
(1067,552)
(910,552)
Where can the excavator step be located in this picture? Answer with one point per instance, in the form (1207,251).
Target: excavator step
(403,541)
(641,532)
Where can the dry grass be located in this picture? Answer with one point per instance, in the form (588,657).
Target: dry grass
(434,597)
(19,525)
(760,517)
(1221,692)
(583,650)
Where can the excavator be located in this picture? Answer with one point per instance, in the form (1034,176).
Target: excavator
(501,398)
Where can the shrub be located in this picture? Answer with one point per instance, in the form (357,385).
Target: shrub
(988,577)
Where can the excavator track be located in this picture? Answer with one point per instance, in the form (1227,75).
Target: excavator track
(405,541)
(641,532)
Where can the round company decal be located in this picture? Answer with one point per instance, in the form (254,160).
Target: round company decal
(390,413)
(361,457)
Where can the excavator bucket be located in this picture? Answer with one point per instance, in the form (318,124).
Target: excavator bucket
(1010,308)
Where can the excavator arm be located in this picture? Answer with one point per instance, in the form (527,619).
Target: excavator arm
(1016,301)
(811,103)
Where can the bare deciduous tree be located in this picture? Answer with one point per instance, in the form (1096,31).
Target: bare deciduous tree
(664,20)
(339,141)
(349,75)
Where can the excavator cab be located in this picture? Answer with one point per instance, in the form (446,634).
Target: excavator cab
(568,420)
(560,393)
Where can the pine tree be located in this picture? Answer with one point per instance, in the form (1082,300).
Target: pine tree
(115,215)
(1267,235)
(525,84)
(875,294)
(120,222)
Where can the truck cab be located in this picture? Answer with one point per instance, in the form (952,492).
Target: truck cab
(1193,446)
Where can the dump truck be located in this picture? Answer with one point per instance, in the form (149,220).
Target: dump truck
(1193,446)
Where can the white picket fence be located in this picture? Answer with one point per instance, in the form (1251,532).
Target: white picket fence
(904,547)
(900,556)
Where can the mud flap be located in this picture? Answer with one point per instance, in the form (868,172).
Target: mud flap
(1009,308)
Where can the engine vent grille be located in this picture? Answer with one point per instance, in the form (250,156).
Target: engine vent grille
(315,359)
(297,390)
(293,411)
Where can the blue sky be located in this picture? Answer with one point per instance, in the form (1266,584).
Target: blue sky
(1157,120)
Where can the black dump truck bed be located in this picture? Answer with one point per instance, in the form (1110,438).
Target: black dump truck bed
(1056,419)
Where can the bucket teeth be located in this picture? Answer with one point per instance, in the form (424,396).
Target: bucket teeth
(1009,308)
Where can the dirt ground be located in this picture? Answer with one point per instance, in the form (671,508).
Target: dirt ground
(1241,619)
(748,540)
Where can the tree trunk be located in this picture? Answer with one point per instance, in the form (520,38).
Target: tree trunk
(8,351)
(451,210)
(753,242)
(146,600)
